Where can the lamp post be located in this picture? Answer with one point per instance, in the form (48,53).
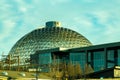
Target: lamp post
(37,75)
(38,70)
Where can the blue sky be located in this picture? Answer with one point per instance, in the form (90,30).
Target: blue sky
(97,20)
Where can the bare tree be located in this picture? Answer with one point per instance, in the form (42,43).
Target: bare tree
(78,70)
(71,71)
(88,69)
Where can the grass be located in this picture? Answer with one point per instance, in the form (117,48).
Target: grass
(17,74)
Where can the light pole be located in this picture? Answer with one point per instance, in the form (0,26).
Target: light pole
(37,75)
(38,70)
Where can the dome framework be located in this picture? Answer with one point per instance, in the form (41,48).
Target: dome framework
(46,38)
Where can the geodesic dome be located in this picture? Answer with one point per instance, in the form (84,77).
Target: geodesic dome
(51,36)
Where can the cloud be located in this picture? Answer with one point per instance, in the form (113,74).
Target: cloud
(98,26)
(88,1)
(102,16)
(83,21)
(8,27)
(23,6)
(93,18)
(55,2)
(108,27)
(23,9)
(5,39)
(8,18)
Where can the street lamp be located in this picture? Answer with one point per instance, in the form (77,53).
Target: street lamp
(37,72)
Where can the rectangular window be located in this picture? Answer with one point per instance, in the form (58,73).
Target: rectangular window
(99,60)
(111,55)
(118,56)
(78,58)
(89,56)
(44,58)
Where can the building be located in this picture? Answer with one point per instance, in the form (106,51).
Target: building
(100,58)
(54,45)
(49,37)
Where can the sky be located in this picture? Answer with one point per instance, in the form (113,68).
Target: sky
(97,20)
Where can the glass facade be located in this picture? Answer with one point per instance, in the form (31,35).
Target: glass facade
(110,56)
(78,58)
(41,60)
(60,57)
(98,60)
(118,56)
(45,58)
(46,61)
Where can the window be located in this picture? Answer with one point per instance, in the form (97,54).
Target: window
(99,60)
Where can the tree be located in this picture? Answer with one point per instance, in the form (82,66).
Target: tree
(71,71)
(88,69)
(1,65)
(78,70)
